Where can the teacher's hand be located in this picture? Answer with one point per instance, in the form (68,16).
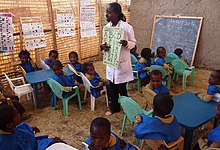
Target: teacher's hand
(104,47)
(124,43)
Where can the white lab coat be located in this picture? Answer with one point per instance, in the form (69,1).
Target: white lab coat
(124,71)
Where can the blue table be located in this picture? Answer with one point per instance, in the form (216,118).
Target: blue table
(191,112)
(41,76)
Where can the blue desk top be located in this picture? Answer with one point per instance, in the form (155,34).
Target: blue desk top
(42,75)
(191,112)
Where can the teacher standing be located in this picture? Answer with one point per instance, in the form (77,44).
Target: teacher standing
(119,77)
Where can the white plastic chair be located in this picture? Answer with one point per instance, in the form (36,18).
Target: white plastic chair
(60,146)
(73,70)
(43,65)
(85,145)
(21,90)
(88,86)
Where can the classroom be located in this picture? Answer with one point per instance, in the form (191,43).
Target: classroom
(109,74)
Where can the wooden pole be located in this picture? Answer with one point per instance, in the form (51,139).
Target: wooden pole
(51,18)
(99,2)
(78,31)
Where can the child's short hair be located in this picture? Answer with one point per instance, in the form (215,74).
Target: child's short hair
(163,104)
(73,53)
(56,63)
(156,73)
(101,122)
(178,51)
(24,52)
(86,66)
(159,49)
(146,53)
(6,115)
(53,51)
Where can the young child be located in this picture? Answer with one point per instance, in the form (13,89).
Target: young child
(163,126)
(179,53)
(159,60)
(73,57)
(94,78)
(66,81)
(142,66)
(15,135)
(101,137)
(26,62)
(133,51)
(213,91)
(53,55)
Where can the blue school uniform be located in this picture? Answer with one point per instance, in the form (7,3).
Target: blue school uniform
(48,62)
(214,136)
(64,80)
(159,61)
(23,138)
(135,54)
(160,89)
(113,144)
(155,128)
(77,65)
(28,67)
(212,89)
(142,73)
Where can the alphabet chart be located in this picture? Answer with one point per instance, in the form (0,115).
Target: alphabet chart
(6,33)
(65,22)
(112,37)
(33,33)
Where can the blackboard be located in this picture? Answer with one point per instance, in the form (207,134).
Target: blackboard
(173,32)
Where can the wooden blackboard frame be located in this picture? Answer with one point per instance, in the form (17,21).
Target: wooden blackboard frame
(184,17)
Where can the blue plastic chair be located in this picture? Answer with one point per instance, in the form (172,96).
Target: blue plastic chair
(58,90)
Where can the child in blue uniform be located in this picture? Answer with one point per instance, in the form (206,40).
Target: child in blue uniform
(213,91)
(101,137)
(66,81)
(94,78)
(15,135)
(73,57)
(142,66)
(163,126)
(159,60)
(26,62)
(53,55)
(179,53)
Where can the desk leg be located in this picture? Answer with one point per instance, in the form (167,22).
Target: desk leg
(36,94)
(188,139)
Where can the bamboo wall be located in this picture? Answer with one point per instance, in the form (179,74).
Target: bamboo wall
(87,48)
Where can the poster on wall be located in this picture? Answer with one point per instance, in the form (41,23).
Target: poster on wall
(65,22)
(6,33)
(87,21)
(33,33)
(112,37)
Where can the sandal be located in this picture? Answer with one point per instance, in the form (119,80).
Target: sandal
(108,113)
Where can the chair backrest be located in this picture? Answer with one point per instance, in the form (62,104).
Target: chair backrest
(72,69)
(56,87)
(43,65)
(9,81)
(59,146)
(130,107)
(170,57)
(86,82)
(23,71)
(160,68)
(133,60)
(179,65)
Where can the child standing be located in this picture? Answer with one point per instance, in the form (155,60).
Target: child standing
(15,135)
(142,66)
(66,81)
(213,91)
(101,137)
(26,62)
(73,57)
(163,126)
(53,55)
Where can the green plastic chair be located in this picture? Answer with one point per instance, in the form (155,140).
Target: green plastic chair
(131,110)
(133,60)
(181,68)
(170,57)
(136,76)
(164,73)
(58,91)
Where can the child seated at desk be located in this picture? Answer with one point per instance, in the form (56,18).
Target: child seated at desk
(159,60)
(26,62)
(213,91)
(15,135)
(142,66)
(66,81)
(101,137)
(163,126)
(73,57)
(53,55)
